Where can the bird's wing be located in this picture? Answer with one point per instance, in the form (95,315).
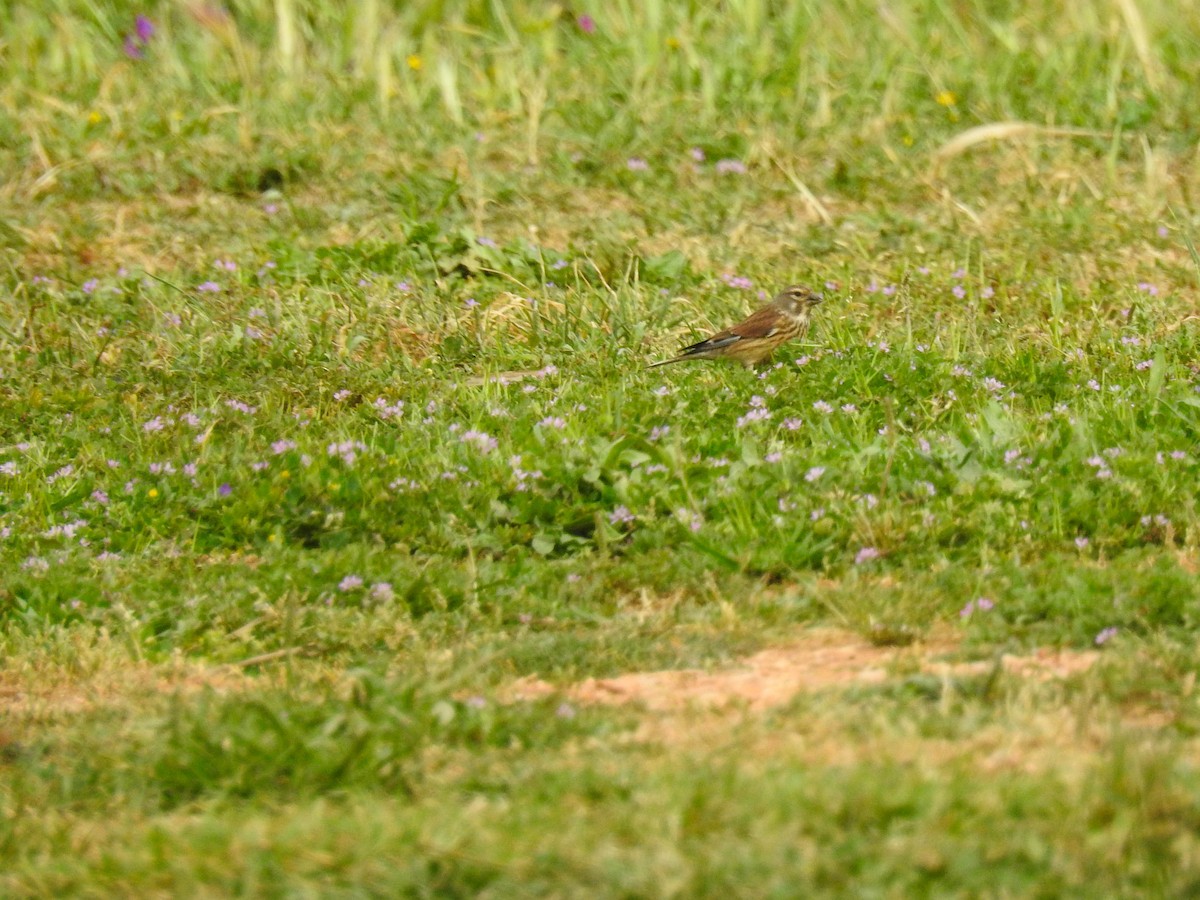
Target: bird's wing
(760,324)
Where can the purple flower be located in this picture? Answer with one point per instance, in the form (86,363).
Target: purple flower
(697,154)
(347,450)
(730,167)
(132,48)
(983,604)
(637,164)
(381,592)
(1106,635)
(792,424)
(90,285)
(1081,542)
(814,473)
(225,490)
(866,554)
(144,29)
(959,291)
(485,442)
(621,516)
(565,711)
(208,287)
(822,407)
(350,583)
(586,24)
(65,472)
(756,414)
(389,410)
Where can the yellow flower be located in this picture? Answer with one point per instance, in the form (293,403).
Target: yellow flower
(414,62)
(908,141)
(946,98)
(672,43)
(94,117)
(285,474)
(272,538)
(152,493)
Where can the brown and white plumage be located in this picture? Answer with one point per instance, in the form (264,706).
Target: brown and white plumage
(753,340)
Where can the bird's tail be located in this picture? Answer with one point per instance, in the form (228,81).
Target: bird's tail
(667,362)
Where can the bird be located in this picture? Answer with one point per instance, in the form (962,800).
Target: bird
(754,339)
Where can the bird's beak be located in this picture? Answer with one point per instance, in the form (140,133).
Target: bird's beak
(818,298)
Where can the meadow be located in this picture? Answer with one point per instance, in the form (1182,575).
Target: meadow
(348,547)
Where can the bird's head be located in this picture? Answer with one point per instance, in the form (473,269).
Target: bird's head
(797,300)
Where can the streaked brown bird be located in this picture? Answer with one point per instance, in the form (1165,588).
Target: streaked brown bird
(753,340)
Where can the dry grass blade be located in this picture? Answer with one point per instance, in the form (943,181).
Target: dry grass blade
(1136,26)
(1003,131)
(504,377)
(816,206)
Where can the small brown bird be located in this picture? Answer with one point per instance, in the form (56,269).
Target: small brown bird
(753,340)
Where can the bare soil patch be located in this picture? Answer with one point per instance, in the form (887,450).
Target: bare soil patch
(818,660)
(24,696)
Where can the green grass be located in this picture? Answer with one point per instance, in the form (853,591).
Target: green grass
(325,426)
